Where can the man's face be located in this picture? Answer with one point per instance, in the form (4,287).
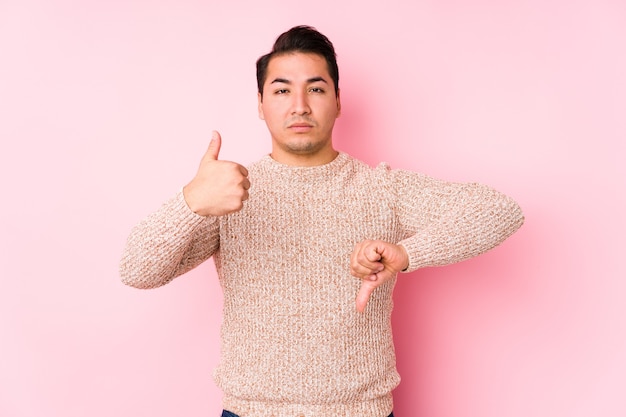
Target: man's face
(299,106)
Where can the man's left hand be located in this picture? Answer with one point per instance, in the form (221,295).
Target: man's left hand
(375,262)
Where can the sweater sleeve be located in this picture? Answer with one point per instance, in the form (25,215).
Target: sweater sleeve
(449,222)
(168,243)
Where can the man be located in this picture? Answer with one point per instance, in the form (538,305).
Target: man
(307,243)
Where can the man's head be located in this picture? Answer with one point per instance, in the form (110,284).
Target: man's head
(298,97)
(303,39)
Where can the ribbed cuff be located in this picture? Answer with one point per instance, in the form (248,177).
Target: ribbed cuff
(418,253)
(378,407)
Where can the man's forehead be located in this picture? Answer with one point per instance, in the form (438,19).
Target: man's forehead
(297,66)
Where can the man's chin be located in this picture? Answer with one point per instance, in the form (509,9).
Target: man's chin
(303,146)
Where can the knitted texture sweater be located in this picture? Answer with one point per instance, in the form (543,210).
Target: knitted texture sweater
(293,342)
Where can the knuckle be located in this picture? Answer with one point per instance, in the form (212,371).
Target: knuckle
(237,206)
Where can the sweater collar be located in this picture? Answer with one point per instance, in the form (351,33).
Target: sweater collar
(312,172)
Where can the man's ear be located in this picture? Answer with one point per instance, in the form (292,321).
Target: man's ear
(260,101)
(338,103)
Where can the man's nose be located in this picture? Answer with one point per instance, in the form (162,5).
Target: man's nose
(300,104)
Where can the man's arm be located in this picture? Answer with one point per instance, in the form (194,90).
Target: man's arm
(444,223)
(166,244)
(462,221)
(184,232)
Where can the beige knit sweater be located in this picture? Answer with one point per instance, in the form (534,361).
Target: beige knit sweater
(292,341)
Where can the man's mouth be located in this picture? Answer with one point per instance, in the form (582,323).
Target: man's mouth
(300,127)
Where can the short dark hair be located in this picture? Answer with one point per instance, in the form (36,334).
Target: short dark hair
(304,39)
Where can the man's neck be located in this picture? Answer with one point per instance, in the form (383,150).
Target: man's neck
(305,160)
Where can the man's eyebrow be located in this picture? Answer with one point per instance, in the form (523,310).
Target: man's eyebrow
(316,79)
(281,80)
(309,81)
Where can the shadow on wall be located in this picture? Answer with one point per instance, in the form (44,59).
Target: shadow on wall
(354,131)
(458,328)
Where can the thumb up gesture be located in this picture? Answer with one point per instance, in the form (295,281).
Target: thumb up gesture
(219,187)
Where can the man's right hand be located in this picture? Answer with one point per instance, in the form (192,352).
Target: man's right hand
(219,187)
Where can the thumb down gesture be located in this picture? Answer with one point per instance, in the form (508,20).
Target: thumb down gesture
(375,262)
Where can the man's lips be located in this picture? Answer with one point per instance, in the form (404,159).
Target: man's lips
(300,127)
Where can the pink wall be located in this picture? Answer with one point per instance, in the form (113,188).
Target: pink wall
(106,109)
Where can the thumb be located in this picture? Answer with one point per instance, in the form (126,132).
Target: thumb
(214,146)
(363,296)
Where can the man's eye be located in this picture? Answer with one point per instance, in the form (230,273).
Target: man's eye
(281,91)
(316,90)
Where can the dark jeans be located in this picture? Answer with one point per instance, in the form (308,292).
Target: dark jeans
(229,414)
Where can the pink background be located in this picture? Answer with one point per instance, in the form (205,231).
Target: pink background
(106,108)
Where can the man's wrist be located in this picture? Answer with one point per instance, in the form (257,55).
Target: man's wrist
(408,261)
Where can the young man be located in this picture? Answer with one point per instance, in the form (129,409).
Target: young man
(307,243)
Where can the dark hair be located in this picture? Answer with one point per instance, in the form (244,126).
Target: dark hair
(304,39)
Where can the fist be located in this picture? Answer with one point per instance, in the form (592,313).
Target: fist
(219,187)
(375,262)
